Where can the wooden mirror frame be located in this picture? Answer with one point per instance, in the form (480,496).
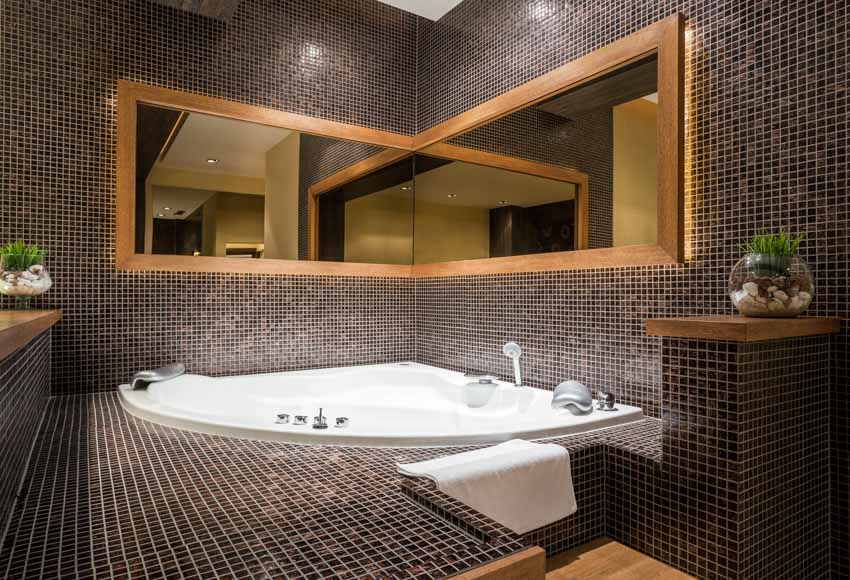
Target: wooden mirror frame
(664,38)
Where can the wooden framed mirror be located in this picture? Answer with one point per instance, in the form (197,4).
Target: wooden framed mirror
(580,168)
(207,185)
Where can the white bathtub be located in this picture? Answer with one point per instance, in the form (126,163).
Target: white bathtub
(390,405)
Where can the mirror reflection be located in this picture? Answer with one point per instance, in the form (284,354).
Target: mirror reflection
(605,129)
(467,211)
(214,186)
(577,171)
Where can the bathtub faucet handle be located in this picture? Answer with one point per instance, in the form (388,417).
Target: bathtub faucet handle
(319,421)
(606,401)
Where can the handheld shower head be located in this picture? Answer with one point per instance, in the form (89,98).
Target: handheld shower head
(513,352)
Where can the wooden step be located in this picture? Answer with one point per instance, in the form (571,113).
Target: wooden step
(605,558)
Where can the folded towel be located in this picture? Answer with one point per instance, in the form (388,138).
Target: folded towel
(521,485)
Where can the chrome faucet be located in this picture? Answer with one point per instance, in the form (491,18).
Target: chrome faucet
(142,379)
(513,352)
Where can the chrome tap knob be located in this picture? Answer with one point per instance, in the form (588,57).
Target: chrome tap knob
(606,401)
(300,420)
(282,418)
(319,421)
(341,422)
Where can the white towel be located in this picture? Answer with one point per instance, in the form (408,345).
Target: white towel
(521,485)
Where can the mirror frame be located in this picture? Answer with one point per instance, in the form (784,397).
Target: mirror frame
(666,38)
(131,94)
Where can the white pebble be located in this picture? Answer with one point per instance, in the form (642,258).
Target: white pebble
(772,289)
(752,288)
(780,295)
(805,297)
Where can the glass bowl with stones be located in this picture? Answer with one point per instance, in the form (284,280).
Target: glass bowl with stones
(771,286)
(22,282)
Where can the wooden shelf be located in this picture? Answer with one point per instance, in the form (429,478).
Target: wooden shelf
(18,327)
(740,328)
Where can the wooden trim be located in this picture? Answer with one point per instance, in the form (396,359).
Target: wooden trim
(642,255)
(149,262)
(125,203)
(665,37)
(196,103)
(338,179)
(670,152)
(529,564)
(741,328)
(572,74)
(19,327)
(130,94)
(446,151)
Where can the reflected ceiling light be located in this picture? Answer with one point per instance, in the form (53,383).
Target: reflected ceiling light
(503,202)
(405,188)
(166,209)
(451,195)
(160,215)
(212,160)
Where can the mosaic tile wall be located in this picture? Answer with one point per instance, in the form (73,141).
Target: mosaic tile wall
(348,61)
(584,142)
(767,95)
(744,487)
(24,386)
(766,148)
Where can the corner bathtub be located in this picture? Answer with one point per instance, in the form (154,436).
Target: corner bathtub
(389,405)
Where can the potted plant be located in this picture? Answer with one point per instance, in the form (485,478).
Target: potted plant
(771,280)
(22,272)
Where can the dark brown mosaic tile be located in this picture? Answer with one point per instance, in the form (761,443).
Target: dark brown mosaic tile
(352,61)
(24,387)
(743,488)
(111,496)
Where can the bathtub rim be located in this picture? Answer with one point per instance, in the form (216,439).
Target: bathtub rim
(138,405)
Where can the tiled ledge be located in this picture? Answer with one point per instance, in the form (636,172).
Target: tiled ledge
(18,327)
(740,328)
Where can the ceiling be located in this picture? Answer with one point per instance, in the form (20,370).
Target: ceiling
(177,198)
(484,187)
(239,147)
(430,9)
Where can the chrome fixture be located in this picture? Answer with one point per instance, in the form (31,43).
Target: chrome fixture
(142,379)
(341,422)
(574,397)
(605,401)
(319,421)
(282,418)
(300,420)
(513,352)
(482,378)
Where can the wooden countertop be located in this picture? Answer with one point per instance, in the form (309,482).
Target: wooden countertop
(18,327)
(740,328)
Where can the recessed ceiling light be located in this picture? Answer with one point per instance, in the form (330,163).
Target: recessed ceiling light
(405,188)
(503,202)
(166,209)
(451,195)
(212,160)
(160,215)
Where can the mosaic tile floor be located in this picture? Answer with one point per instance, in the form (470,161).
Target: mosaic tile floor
(111,496)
